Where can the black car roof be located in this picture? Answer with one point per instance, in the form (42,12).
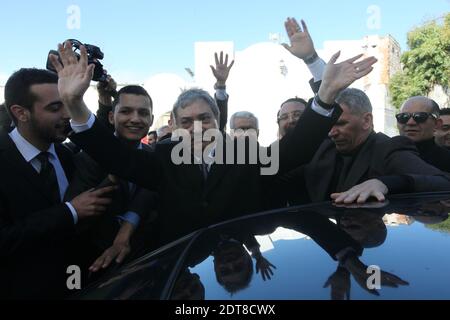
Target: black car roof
(408,237)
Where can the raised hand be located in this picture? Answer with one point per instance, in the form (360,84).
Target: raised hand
(359,272)
(74,74)
(339,283)
(265,267)
(302,45)
(338,76)
(222,69)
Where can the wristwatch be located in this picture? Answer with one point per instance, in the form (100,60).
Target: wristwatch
(312,58)
(323,104)
(217,87)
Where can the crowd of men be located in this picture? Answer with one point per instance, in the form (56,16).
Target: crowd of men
(105,196)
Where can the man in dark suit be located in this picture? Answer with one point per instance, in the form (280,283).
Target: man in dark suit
(355,153)
(5,120)
(419,119)
(221,72)
(38,239)
(132,206)
(197,195)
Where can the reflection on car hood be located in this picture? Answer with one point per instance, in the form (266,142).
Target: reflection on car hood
(395,251)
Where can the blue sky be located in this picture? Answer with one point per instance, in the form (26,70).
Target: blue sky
(142,38)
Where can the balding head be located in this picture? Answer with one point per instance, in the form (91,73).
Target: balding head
(423,104)
(415,129)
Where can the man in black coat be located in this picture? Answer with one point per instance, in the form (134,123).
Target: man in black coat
(132,207)
(418,119)
(355,153)
(38,238)
(195,195)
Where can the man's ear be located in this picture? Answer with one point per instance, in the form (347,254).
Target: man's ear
(152,119)
(367,120)
(439,124)
(20,113)
(111,117)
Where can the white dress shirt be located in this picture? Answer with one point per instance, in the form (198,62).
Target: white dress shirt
(30,152)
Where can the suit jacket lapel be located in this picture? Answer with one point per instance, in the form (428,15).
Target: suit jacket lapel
(215,175)
(360,165)
(218,170)
(66,158)
(319,172)
(23,168)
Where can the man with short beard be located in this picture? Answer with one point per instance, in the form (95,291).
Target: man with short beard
(38,239)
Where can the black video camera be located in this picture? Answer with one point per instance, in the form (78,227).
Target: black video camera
(94,55)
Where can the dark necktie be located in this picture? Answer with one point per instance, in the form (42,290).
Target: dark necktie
(204,169)
(48,175)
(345,168)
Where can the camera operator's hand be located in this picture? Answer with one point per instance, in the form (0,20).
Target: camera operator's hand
(302,45)
(222,69)
(74,78)
(338,76)
(106,91)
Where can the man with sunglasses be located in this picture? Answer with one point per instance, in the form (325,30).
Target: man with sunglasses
(418,120)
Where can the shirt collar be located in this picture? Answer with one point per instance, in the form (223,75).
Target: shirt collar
(210,157)
(26,149)
(139,145)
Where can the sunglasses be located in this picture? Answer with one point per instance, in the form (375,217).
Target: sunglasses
(418,117)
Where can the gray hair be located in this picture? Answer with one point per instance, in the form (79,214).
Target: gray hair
(245,115)
(160,130)
(188,97)
(356,100)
